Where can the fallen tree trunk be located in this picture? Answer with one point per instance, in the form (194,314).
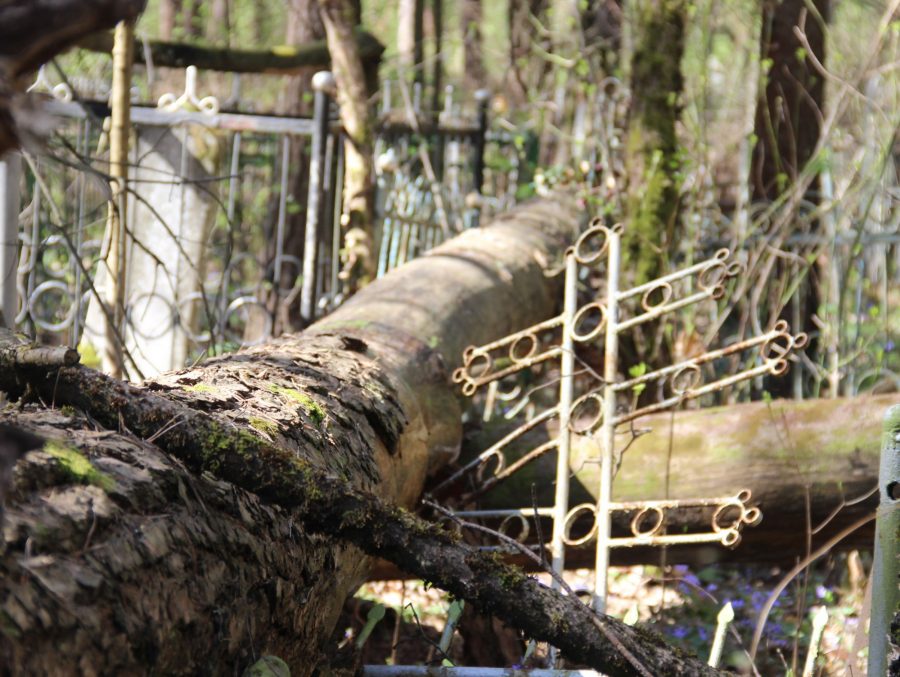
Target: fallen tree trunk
(786,453)
(282,60)
(186,540)
(823,454)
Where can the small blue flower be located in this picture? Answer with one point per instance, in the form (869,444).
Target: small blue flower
(679,632)
(737,603)
(889,346)
(703,634)
(821,591)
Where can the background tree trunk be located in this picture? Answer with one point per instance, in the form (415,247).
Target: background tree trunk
(338,16)
(473,60)
(168,14)
(410,30)
(118,555)
(652,160)
(787,453)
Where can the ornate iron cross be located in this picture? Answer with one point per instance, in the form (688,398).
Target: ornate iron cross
(489,363)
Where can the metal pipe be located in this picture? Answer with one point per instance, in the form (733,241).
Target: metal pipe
(10,173)
(323,82)
(885,564)
(608,433)
(566,388)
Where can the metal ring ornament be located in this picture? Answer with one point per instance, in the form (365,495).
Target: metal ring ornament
(666,295)
(204,336)
(236,305)
(44,288)
(582,402)
(587,257)
(731,531)
(685,379)
(571,518)
(579,318)
(776,353)
(655,526)
(514,354)
(55,241)
(524,527)
(147,331)
(485,461)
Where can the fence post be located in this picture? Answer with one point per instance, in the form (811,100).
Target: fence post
(483,97)
(10,172)
(323,83)
(885,566)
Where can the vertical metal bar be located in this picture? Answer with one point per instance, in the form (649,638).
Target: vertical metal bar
(336,218)
(322,82)
(566,389)
(282,214)
(10,174)
(84,139)
(885,564)
(608,433)
(483,97)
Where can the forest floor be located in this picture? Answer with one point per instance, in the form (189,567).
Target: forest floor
(682,606)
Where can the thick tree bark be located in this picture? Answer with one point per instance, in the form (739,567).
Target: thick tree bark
(32,32)
(652,157)
(410,30)
(168,13)
(115,553)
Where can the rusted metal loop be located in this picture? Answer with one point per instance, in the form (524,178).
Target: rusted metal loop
(586,258)
(486,461)
(717,292)
(459,375)
(524,527)
(752,517)
(655,526)
(572,516)
(617,228)
(467,354)
(478,366)
(666,295)
(801,339)
(722,254)
(514,349)
(713,275)
(596,222)
(720,514)
(734,269)
(579,319)
(731,538)
(684,380)
(581,403)
(469,388)
(778,367)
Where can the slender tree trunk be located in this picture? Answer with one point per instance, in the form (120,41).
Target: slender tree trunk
(410,30)
(787,129)
(473,59)
(653,162)
(521,36)
(359,169)
(790,105)
(168,15)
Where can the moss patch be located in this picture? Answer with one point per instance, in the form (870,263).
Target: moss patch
(263,425)
(312,408)
(199,388)
(77,466)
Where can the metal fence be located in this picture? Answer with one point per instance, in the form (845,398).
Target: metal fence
(214,262)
